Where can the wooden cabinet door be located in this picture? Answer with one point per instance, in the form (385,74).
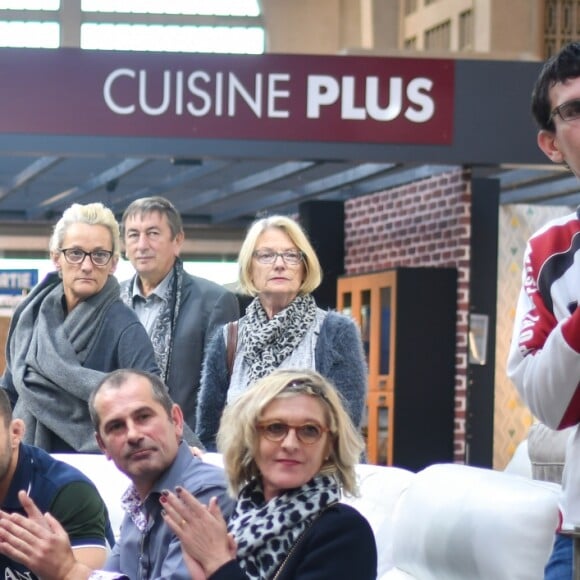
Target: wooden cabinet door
(370,300)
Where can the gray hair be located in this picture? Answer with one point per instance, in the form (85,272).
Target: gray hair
(93,214)
(147,205)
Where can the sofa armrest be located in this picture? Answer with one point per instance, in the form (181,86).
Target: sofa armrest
(458,522)
(380,489)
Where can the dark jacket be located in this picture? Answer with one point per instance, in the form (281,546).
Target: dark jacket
(338,357)
(205,307)
(340,545)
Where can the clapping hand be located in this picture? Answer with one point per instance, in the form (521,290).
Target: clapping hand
(205,542)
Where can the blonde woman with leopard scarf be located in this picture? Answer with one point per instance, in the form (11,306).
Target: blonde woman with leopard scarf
(282,329)
(289,450)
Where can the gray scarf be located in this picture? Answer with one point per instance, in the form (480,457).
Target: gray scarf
(162,335)
(46,352)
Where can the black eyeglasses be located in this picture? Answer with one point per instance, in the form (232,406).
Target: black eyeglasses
(77,256)
(276,431)
(292,257)
(568,111)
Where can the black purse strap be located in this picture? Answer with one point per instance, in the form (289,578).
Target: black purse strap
(232,345)
(299,539)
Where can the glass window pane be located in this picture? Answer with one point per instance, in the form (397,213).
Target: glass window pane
(347,303)
(173,38)
(385,344)
(365,321)
(29,4)
(217,7)
(29,34)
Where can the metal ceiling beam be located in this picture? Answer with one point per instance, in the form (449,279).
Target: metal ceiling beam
(356,174)
(150,19)
(226,20)
(572,200)
(312,189)
(244,184)
(170,183)
(401,176)
(29,173)
(519,177)
(541,191)
(106,177)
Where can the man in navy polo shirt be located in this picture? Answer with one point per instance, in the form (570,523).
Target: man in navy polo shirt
(54,486)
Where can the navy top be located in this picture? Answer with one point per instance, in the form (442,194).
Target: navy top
(65,492)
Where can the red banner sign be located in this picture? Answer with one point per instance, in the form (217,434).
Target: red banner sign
(268,97)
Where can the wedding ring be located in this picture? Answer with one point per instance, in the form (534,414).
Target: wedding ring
(182,523)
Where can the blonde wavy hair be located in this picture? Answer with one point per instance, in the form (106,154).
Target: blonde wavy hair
(313,271)
(238,436)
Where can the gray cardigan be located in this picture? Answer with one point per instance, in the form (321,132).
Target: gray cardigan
(338,356)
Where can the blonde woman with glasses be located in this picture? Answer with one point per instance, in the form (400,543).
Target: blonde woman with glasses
(282,328)
(289,451)
(70,331)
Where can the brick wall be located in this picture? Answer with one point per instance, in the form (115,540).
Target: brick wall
(426,223)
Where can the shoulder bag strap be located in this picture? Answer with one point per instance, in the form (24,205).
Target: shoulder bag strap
(232,345)
(299,539)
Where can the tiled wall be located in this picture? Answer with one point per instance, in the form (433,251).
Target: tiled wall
(426,223)
(511,416)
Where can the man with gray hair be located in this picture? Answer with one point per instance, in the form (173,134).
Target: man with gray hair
(179,311)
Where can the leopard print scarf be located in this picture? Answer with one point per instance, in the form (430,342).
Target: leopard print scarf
(267,342)
(266,531)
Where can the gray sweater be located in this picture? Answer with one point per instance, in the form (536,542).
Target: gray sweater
(338,356)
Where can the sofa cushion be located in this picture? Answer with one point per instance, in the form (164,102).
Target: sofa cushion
(380,490)
(458,522)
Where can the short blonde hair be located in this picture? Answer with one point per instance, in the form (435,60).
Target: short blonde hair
(313,276)
(238,436)
(93,214)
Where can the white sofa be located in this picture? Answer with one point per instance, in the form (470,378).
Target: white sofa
(447,522)
(454,522)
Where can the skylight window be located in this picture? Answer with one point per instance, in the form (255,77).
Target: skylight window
(215,26)
(29,34)
(205,7)
(215,39)
(29,4)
